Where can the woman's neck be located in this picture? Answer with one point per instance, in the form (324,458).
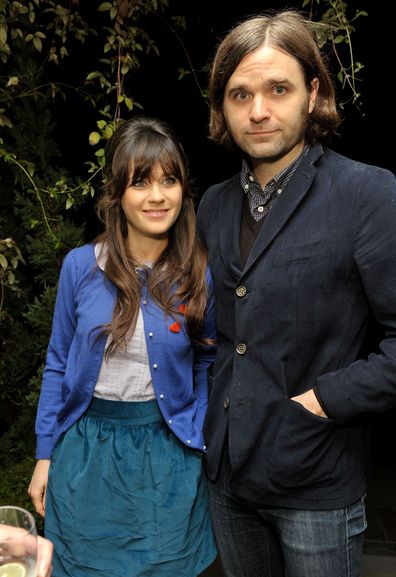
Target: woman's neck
(147,251)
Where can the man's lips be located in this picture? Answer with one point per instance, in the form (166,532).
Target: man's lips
(261,132)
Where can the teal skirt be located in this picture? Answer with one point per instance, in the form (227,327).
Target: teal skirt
(126,498)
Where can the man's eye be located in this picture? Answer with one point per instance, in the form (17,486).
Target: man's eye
(279,89)
(241,96)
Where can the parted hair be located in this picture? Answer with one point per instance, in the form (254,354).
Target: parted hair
(178,275)
(290,32)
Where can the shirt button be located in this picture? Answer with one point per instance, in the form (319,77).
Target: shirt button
(241,348)
(241,291)
(150,335)
(226,403)
(144,302)
(260,208)
(189,441)
(161,396)
(155,366)
(204,447)
(170,421)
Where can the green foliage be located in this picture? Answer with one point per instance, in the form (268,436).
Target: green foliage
(10,257)
(335,29)
(44,202)
(13,487)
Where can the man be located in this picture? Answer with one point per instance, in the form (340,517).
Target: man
(302,246)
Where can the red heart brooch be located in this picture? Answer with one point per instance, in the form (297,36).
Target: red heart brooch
(175,327)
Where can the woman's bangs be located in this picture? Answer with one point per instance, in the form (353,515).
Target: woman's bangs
(159,152)
(170,165)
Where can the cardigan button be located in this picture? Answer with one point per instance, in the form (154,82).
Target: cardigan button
(241,291)
(226,403)
(241,348)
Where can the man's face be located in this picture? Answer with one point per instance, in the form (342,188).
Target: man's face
(267,105)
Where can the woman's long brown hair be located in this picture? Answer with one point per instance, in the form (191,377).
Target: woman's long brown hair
(178,275)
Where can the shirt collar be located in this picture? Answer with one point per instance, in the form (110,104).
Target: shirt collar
(101,257)
(247,177)
(101,254)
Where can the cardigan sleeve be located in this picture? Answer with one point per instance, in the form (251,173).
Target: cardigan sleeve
(205,354)
(62,334)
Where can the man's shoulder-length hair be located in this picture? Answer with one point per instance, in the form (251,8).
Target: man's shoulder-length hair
(293,34)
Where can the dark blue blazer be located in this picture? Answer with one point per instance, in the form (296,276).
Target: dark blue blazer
(299,315)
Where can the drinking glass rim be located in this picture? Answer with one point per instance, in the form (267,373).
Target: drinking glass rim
(32,523)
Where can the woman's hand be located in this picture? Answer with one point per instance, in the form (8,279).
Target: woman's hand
(38,485)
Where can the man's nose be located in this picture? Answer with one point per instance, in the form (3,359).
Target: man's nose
(259,110)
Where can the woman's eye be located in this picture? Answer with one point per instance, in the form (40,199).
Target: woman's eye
(139,183)
(169,180)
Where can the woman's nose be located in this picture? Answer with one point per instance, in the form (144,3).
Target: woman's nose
(156,193)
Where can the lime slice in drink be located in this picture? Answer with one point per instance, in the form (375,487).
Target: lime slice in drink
(13,570)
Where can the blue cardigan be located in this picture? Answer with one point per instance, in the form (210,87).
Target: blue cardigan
(85,301)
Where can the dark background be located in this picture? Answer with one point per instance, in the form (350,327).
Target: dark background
(365,133)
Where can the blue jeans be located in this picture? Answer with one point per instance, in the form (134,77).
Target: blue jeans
(277,542)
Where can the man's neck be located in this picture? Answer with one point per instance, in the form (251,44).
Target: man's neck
(265,170)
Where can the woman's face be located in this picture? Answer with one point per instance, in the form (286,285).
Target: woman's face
(152,205)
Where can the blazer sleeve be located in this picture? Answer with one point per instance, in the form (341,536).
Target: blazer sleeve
(62,334)
(369,385)
(207,210)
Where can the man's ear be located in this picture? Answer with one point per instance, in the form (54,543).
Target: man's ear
(313,93)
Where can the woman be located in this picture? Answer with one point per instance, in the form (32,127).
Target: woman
(119,422)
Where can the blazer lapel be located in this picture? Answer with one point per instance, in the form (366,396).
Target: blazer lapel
(230,227)
(285,205)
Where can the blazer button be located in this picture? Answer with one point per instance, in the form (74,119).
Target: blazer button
(241,349)
(241,291)
(226,402)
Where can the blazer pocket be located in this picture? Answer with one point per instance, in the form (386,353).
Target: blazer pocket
(305,452)
(304,251)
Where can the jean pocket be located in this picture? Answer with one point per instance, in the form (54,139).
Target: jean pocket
(306,451)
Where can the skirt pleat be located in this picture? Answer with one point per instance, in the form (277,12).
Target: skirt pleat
(126,498)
